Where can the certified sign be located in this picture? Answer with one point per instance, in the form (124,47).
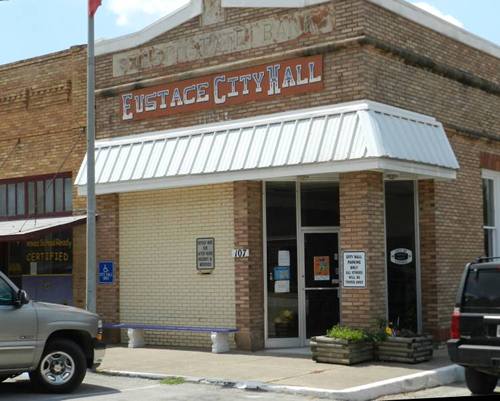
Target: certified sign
(401,256)
(354,269)
(205,257)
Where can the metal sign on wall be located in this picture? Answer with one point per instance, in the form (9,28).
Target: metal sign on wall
(401,256)
(354,268)
(205,254)
(259,83)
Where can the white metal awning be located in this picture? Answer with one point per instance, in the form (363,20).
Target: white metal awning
(354,136)
(13,230)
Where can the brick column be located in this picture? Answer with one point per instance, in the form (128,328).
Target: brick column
(362,229)
(108,242)
(108,296)
(249,278)
(428,264)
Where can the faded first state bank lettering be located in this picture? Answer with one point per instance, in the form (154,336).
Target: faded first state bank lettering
(253,35)
(260,83)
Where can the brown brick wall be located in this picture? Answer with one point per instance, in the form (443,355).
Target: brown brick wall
(249,272)
(451,233)
(362,228)
(459,228)
(42,125)
(391,81)
(42,110)
(341,72)
(349,22)
(428,256)
(410,35)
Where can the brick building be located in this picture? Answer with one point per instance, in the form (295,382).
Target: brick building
(284,169)
(42,123)
(330,156)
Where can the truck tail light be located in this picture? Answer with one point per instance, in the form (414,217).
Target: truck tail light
(455,324)
(99,330)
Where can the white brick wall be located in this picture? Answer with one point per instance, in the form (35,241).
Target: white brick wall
(159,283)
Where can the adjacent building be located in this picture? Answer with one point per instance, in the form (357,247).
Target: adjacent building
(42,123)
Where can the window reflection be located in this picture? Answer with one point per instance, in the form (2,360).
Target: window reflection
(320,204)
(282,300)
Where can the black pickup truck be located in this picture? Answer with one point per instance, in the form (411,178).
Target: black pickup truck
(475,325)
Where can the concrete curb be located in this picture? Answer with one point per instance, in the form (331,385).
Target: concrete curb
(403,384)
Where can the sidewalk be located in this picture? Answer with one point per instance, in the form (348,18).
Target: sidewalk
(278,371)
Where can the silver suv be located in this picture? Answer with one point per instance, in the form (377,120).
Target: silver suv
(54,343)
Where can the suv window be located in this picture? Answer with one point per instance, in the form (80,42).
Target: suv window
(6,293)
(482,289)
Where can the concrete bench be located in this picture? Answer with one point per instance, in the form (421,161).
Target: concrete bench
(135,332)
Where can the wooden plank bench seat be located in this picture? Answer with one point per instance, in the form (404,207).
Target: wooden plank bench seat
(135,332)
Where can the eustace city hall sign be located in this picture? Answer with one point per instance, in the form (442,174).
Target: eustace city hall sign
(260,83)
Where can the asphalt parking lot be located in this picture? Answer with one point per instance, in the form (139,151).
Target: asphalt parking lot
(102,387)
(97,387)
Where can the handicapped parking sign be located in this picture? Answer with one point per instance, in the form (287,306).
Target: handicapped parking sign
(106,272)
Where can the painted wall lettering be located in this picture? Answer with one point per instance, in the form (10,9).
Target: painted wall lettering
(253,35)
(264,82)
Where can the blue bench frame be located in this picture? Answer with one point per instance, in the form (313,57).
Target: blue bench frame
(219,335)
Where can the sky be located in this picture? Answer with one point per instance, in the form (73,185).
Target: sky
(31,28)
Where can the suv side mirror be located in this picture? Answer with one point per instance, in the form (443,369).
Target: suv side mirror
(22,298)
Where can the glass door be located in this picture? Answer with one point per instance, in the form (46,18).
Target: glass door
(320,282)
(301,244)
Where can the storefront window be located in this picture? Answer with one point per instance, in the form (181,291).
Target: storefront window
(488,217)
(401,261)
(282,295)
(43,266)
(320,204)
(28,197)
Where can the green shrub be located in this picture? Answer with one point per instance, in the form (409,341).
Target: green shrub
(347,333)
(377,335)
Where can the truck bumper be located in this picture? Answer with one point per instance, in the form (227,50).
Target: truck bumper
(99,350)
(477,356)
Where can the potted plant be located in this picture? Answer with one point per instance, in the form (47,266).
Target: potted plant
(402,345)
(343,345)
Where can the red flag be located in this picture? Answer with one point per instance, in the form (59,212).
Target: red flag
(93,5)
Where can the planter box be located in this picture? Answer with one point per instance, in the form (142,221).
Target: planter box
(332,350)
(406,350)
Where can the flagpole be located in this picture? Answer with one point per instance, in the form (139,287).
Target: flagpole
(91,201)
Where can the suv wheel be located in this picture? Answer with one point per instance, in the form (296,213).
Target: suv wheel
(480,383)
(62,367)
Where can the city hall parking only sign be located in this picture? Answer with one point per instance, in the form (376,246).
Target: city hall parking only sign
(354,269)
